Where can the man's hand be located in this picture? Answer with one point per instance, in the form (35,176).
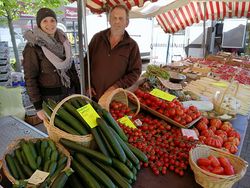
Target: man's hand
(92,91)
(41,115)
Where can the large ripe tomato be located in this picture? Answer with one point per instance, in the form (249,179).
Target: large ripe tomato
(234,133)
(215,122)
(207,133)
(204,119)
(226,127)
(203,162)
(235,140)
(201,126)
(214,161)
(214,141)
(232,148)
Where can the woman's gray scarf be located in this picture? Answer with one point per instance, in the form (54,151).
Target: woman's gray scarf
(53,50)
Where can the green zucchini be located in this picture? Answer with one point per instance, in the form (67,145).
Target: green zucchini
(107,144)
(30,158)
(47,154)
(81,101)
(86,177)
(38,161)
(19,169)
(12,167)
(112,140)
(58,170)
(86,151)
(27,170)
(18,155)
(52,167)
(139,154)
(94,170)
(46,109)
(61,179)
(65,127)
(52,145)
(44,145)
(70,108)
(68,118)
(74,181)
(32,149)
(99,141)
(74,102)
(112,123)
(54,155)
(125,148)
(114,175)
(122,168)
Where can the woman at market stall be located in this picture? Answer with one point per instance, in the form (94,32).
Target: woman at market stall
(49,71)
(115,60)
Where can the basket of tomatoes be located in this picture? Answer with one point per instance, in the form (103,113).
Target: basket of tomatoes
(216,168)
(115,98)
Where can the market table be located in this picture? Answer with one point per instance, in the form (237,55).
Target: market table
(145,177)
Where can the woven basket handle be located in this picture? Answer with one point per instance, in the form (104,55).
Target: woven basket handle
(137,100)
(228,88)
(52,118)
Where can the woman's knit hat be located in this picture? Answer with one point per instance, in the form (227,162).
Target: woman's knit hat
(43,13)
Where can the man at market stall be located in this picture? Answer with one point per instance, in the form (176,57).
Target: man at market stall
(49,71)
(115,60)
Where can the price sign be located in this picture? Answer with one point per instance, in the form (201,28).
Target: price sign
(126,121)
(189,133)
(89,114)
(219,84)
(163,95)
(38,177)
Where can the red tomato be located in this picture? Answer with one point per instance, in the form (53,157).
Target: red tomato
(224,162)
(201,126)
(214,161)
(229,170)
(203,162)
(218,170)
(215,122)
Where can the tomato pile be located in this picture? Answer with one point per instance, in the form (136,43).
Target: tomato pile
(174,109)
(218,134)
(163,144)
(220,165)
(119,109)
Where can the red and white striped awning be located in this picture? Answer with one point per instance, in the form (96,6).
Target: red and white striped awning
(100,6)
(193,12)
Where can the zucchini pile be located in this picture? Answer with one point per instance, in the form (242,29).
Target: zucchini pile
(114,163)
(67,118)
(30,156)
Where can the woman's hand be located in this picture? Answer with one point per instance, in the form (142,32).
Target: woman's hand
(41,115)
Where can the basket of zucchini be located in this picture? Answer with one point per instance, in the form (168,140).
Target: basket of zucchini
(26,156)
(120,95)
(65,122)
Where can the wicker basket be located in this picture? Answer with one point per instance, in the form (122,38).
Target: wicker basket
(210,180)
(120,95)
(16,144)
(56,133)
(230,91)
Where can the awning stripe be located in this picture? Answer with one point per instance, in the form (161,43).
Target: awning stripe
(194,12)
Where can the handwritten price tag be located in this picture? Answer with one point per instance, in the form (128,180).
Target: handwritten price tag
(126,121)
(89,114)
(38,177)
(219,84)
(189,133)
(163,95)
